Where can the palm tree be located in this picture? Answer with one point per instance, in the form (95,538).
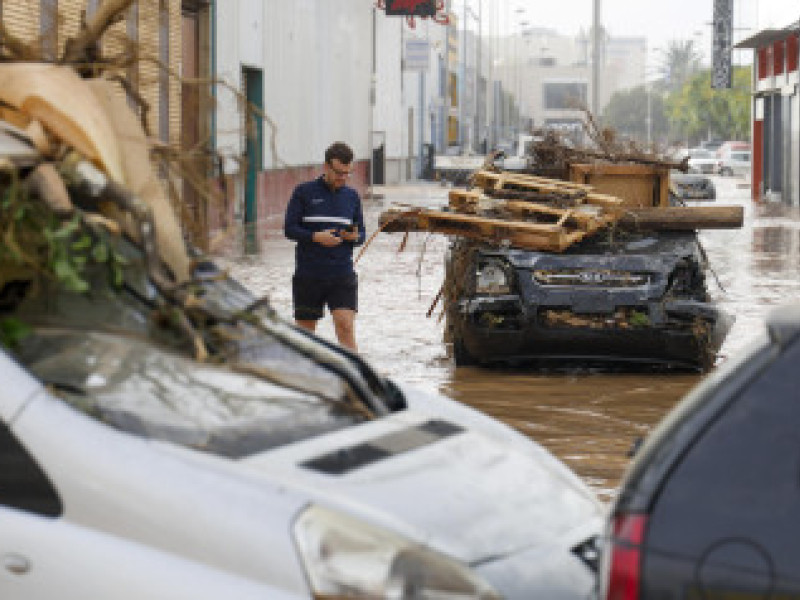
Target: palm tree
(679,62)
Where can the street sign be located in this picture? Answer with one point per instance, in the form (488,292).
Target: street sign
(411,8)
(417,53)
(723,41)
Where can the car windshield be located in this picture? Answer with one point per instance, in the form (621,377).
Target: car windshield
(134,386)
(700,153)
(745,156)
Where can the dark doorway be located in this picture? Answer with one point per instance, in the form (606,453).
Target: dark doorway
(378,174)
(253,81)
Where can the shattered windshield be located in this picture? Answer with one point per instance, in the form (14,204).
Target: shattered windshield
(138,388)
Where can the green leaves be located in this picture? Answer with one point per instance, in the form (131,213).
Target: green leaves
(35,239)
(12,332)
(700,112)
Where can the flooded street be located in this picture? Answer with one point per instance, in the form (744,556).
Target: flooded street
(589,420)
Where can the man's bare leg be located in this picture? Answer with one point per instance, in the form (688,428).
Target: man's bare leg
(344,322)
(306,324)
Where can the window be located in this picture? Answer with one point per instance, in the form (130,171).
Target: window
(739,481)
(23,484)
(564,95)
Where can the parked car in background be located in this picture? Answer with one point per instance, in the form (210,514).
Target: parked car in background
(691,186)
(709,506)
(521,157)
(702,161)
(734,162)
(712,145)
(730,145)
(145,424)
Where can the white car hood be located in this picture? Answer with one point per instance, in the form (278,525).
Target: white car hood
(457,490)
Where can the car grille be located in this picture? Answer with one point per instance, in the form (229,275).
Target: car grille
(622,318)
(591,278)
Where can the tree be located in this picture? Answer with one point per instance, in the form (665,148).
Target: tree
(626,113)
(699,112)
(679,62)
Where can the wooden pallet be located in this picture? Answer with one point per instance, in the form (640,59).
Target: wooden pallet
(582,217)
(489,181)
(520,234)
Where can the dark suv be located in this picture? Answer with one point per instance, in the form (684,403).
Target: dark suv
(710,506)
(616,298)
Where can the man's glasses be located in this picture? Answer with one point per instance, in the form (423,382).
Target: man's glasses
(340,172)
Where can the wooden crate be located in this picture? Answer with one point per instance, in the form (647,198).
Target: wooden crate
(638,186)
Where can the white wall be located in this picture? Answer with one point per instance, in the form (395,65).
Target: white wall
(316,57)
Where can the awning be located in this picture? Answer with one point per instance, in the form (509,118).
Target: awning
(765,37)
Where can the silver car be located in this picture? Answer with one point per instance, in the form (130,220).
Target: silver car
(702,161)
(735,162)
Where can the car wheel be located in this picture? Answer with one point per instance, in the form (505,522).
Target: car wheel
(726,171)
(461,355)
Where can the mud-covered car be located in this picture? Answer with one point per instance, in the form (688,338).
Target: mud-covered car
(148,421)
(691,186)
(615,299)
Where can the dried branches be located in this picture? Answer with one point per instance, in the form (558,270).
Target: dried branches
(80,49)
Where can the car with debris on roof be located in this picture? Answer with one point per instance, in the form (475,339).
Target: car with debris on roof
(615,299)
(186,432)
(709,504)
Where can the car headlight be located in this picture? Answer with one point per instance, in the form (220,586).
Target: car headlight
(492,278)
(347,558)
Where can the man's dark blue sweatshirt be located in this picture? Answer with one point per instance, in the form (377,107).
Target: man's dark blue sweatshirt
(315,207)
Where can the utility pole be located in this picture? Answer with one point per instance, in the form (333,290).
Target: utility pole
(596,59)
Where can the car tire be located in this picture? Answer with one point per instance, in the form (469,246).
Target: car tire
(461,355)
(726,171)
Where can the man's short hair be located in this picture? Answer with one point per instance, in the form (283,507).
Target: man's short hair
(340,151)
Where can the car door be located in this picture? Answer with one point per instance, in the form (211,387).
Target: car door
(43,557)
(726,523)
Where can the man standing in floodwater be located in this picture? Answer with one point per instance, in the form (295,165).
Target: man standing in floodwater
(325,218)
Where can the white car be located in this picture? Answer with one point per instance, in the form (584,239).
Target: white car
(127,448)
(702,161)
(735,162)
(282,468)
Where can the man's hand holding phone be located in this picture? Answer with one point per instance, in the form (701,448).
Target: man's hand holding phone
(327,237)
(350,234)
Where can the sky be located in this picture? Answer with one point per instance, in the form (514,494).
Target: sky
(661,21)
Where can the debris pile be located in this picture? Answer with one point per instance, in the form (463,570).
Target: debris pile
(538,213)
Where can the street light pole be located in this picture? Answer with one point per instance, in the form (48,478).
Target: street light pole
(596,58)
(649,92)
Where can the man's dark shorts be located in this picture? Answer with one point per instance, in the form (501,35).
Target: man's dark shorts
(311,295)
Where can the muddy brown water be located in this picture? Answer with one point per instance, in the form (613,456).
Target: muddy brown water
(588,419)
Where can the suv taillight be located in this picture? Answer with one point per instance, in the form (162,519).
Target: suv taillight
(623,566)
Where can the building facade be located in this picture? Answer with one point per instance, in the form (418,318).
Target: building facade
(775,113)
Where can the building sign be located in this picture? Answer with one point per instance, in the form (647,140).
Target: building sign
(723,41)
(416,55)
(411,8)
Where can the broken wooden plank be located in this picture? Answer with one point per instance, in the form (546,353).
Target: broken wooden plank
(652,219)
(683,218)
